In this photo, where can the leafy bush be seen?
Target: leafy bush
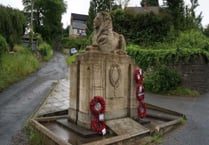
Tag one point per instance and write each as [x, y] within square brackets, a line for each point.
[161, 80]
[45, 50]
[12, 24]
[3, 45]
[192, 39]
[142, 29]
[146, 58]
[71, 59]
[78, 43]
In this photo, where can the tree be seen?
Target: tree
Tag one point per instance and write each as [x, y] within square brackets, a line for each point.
[12, 25]
[47, 17]
[28, 9]
[176, 10]
[122, 3]
[206, 31]
[149, 3]
[142, 29]
[95, 7]
[191, 19]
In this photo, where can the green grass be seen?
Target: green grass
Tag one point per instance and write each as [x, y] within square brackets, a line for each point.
[48, 56]
[46, 51]
[34, 136]
[71, 59]
[183, 120]
[15, 66]
[182, 91]
[155, 139]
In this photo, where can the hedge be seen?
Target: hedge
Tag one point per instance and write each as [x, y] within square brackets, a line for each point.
[146, 58]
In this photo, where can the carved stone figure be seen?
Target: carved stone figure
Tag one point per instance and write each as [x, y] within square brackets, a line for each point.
[104, 37]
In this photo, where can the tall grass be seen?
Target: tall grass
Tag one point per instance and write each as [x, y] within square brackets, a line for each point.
[17, 65]
[46, 51]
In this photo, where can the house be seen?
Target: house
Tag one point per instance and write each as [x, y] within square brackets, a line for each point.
[78, 25]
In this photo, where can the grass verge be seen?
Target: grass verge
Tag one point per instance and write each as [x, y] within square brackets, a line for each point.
[15, 66]
[182, 91]
[71, 59]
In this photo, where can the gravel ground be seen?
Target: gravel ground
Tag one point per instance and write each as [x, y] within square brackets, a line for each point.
[21, 138]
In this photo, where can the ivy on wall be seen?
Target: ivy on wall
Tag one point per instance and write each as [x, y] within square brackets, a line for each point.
[146, 58]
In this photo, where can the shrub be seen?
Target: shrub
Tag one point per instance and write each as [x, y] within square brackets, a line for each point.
[12, 24]
[161, 80]
[45, 50]
[192, 39]
[146, 58]
[3, 45]
[78, 43]
[71, 59]
[142, 29]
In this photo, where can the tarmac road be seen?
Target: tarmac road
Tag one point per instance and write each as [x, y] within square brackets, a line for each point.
[19, 101]
[196, 109]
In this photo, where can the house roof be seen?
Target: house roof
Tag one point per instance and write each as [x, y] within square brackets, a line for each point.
[80, 17]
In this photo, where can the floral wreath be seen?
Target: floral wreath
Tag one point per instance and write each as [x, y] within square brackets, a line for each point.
[97, 107]
[138, 75]
[142, 111]
[140, 92]
[98, 126]
[97, 101]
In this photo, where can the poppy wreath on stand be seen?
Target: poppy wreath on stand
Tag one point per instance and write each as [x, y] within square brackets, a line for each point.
[138, 76]
[140, 92]
[97, 107]
[142, 111]
[98, 126]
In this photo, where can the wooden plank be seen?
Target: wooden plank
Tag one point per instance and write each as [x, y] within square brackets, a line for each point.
[48, 133]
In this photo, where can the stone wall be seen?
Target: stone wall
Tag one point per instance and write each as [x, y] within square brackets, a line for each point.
[195, 74]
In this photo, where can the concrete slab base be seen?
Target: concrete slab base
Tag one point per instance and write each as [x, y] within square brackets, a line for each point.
[59, 131]
[126, 126]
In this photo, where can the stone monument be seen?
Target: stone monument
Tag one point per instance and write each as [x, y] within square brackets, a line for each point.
[103, 69]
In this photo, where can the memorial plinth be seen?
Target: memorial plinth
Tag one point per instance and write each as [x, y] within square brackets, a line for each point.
[96, 73]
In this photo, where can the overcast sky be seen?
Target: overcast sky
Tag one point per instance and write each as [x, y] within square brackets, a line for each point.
[82, 7]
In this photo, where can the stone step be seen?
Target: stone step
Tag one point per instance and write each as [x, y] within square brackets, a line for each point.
[126, 126]
[77, 129]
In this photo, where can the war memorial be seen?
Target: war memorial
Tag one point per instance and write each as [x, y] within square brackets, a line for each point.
[107, 99]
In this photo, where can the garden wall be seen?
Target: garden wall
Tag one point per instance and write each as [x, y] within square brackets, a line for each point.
[195, 74]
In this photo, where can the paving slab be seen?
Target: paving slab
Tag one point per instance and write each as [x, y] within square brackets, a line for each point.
[126, 126]
[57, 100]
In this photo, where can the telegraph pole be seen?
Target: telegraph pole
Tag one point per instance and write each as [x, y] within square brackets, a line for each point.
[31, 23]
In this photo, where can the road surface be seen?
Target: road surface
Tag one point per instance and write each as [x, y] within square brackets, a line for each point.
[196, 109]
